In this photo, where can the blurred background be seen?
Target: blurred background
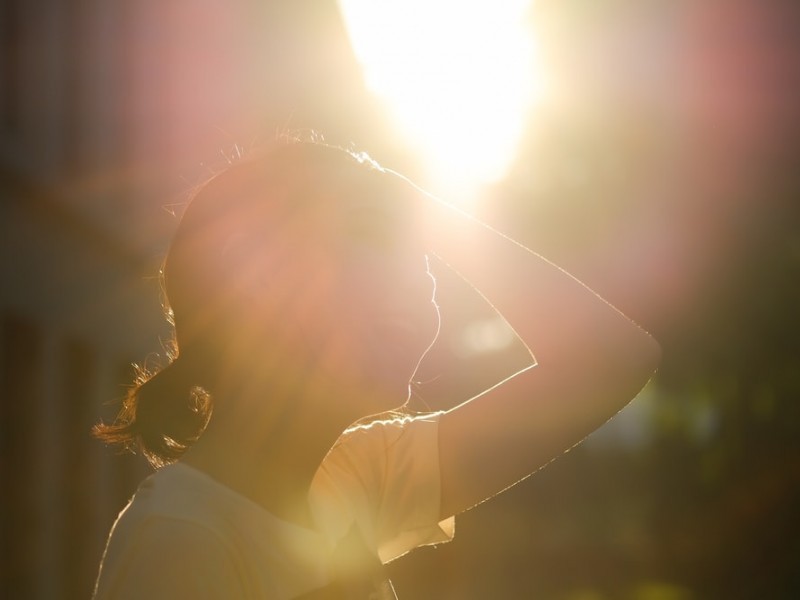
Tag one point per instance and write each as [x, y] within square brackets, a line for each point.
[648, 146]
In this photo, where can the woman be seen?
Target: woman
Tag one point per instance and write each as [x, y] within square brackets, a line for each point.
[302, 305]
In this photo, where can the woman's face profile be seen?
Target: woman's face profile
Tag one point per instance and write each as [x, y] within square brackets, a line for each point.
[368, 311]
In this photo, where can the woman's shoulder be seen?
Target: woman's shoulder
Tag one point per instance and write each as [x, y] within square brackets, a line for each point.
[188, 498]
[168, 557]
[173, 499]
[384, 475]
[161, 534]
[180, 512]
[392, 423]
[369, 448]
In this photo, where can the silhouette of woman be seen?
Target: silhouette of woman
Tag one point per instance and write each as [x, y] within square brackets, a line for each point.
[302, 305]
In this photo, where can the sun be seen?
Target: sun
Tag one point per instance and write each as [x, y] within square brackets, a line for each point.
[458, 78]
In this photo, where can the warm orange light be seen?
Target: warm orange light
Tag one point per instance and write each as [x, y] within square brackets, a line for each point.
[458, 78]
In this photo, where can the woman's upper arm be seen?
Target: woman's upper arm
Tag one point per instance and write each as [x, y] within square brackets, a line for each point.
[171, 558]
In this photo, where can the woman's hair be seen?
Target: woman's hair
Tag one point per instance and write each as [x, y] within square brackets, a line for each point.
[166, 409]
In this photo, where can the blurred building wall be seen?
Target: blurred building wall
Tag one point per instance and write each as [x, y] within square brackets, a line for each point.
[110, 112]
[71, 311]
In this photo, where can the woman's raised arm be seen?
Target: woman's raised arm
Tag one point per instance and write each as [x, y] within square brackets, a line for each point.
[590, 360]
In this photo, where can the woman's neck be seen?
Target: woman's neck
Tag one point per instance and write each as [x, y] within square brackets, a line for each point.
[268, 448]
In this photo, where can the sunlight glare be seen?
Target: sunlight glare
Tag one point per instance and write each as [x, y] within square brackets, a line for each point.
[457, 78]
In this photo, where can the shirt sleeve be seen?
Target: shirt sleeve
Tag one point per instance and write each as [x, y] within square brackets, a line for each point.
[385, 477]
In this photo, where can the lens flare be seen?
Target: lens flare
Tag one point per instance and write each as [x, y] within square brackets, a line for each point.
[457, 78]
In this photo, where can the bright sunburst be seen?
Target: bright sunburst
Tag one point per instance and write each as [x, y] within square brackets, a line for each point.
[458, 77]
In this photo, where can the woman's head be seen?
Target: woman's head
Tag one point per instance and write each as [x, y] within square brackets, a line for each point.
[307, 248]
[304, 260]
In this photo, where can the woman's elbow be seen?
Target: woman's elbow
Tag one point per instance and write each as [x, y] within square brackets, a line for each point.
[651, 355]
[642, 361]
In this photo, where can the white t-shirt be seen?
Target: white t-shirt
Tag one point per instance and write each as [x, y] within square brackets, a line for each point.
[383, 477]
